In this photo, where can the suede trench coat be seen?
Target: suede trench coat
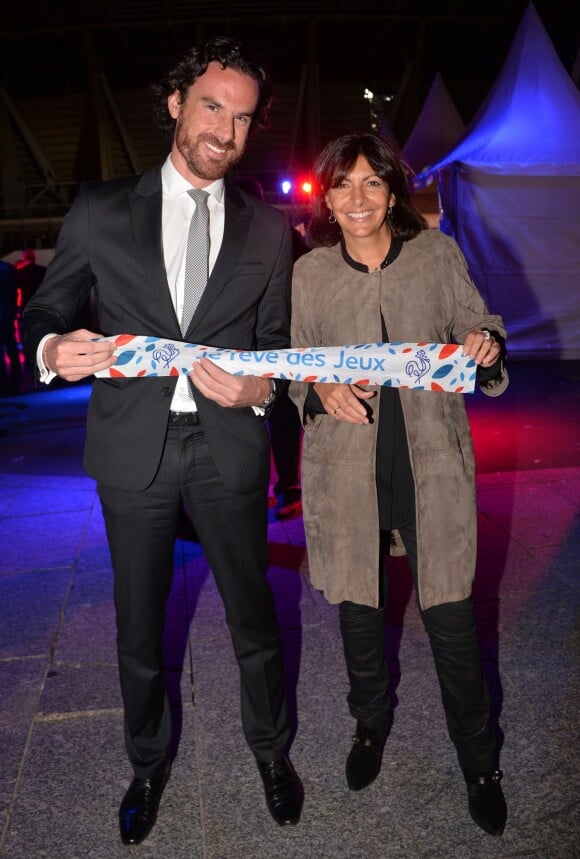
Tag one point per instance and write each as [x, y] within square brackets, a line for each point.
[425, 294]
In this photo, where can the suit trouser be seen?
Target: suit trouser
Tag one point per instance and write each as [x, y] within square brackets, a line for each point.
[232, 530]
[286, 438]
[455, 647]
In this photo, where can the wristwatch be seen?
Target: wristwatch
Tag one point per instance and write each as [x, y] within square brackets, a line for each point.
[270, 398]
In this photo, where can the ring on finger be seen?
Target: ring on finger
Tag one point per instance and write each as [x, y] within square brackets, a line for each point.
[486, 334]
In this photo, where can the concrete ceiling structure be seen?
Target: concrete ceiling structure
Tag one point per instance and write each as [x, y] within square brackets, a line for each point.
[42, 44]
[74, 76]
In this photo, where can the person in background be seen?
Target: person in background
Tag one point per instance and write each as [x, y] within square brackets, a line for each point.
[181, 253]
[284, 421]
[30, 275]
[9, 352]
[388, 465]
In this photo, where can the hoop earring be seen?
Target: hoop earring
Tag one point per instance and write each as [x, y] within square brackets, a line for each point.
[389, 211]
[331, 218]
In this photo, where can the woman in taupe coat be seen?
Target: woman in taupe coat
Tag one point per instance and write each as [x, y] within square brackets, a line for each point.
[394, 465]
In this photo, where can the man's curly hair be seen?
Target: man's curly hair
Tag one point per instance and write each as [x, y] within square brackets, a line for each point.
[193, 64]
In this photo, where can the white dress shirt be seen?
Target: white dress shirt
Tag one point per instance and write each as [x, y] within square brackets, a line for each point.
[178, 209]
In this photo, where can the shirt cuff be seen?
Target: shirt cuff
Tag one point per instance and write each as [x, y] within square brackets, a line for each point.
[44, 374]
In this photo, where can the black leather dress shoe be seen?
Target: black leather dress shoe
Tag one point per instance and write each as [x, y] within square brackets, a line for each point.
[284, 791]
[487, 804]
[138, 810]
[364, 761]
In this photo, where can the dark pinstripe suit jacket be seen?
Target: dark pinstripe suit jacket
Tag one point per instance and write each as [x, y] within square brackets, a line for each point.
[110, 244]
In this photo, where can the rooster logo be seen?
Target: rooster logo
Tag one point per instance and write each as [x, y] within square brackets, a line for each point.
[166, 354]
[417, 368]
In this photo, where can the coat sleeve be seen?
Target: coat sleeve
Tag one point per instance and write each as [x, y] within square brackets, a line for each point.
[304, 332]
[64, 292]
[469, 311]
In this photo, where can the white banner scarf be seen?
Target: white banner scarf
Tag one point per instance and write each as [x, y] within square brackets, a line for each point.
[418, 366]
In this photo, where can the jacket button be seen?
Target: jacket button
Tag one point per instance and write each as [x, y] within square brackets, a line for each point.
[165, 392]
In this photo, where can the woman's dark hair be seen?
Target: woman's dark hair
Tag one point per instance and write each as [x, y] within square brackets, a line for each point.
[334, 163]
[193, 64]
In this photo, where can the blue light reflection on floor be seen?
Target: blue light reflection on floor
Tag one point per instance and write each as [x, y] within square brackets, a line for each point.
[43, 432]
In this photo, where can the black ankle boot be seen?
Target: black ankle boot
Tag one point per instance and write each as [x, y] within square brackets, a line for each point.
[364, 761]
[487, 804]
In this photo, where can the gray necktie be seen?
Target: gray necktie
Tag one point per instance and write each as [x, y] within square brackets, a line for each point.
[196, 257]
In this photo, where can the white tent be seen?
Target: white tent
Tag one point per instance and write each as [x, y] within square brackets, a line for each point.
[437, 129]
[510, 191]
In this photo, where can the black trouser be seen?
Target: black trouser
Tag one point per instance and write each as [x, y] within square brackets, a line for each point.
[455, 647]
[232, 530]
[286, 436]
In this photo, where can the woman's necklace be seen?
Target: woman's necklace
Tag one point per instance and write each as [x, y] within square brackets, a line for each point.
[356, 262]
[377, 261]
[383, 261]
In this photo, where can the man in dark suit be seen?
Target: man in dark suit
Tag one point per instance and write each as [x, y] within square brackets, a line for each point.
[155, 443]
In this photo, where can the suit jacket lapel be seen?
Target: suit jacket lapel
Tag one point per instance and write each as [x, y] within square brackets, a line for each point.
[145, 204]
[238, 217]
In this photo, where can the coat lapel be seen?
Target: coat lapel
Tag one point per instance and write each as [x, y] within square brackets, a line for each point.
[145, 204]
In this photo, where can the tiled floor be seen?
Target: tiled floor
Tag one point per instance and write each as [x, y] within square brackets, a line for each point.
[62, 762]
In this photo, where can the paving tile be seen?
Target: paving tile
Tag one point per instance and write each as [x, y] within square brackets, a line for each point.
[294, 606]
[569, 487]
[550, 687]
[541, 784]
[425, 783]
[534, 514]
[563, 561]
[94, 550]
[291, 531]
[70, 784]
[31, 606]
[531, 476]
[205, 606]
[11, 481]
[7, 495]
[20, 685]
[568, 740]
[87, 633]
[74, 777]
[80, 688]
[41, 541]
[27, 501]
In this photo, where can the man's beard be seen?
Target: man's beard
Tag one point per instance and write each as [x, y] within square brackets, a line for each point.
[204, 167]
